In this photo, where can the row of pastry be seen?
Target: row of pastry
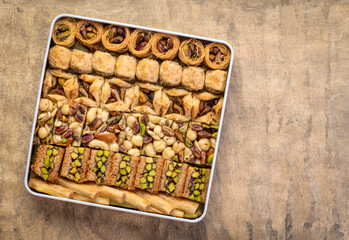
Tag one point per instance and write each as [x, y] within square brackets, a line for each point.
[141, 43]
[151, 174]
[128, 68]
[115, 94]
[70, 123]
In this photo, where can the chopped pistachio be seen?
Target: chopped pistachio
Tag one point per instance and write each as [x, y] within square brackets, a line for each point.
[148, 167]
[76, 150]
[99, 164]
[152, 173]
[128, 169]
[103, 169]
[74, 155]
[122, 164]
[143, 180]
[123, 172]
[81, 150]
[171, 187]
[168, 173]
[44, 170]
[100, 153]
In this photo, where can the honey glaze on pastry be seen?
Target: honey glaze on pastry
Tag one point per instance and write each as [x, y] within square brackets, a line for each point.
[215, 80]
[116, 38]
[88, 32]
[126, 67]
[139, 44]
[193, 78]
[64, 32]
[59, 57]
[170, 73]
[147, 99]
[217, 56]
[81, 61]
[191, 52]
[165, 46]
[207, 107]
[148, 70]
[177, 104]
[103, 63]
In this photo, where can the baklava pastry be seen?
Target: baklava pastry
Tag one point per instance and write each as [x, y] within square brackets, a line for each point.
[196, 184]
[64, 32]
[165, 46]
[170, 73]
[75, 163]
[126, 67]
[60, 85]
[59, 57]
[177, 104]
[147, 99]
[98, 165]
[139, 44]
[149, 173]
[215, 81]
[173, 178]
[217, 56]
[89, 33]
[81, 61]
[148, 70]
[48, 162]
[47, 112]
[90, 90]
[103, 63]
[207, 107]
[193, 78]
[116, 38]
[116, 95]
[191, 52]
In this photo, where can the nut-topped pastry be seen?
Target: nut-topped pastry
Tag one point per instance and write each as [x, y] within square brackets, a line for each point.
[149, 174]
[75, 165]
[59, 57]
[89, 89]
[98, 165]
[64, 32]
[147, 99]
[173, 178]
[139, 44]
[191, 52]
[217, 56]
[207, 107]
[196, 184]
[48, 162]
[116, 38]
[165, 46]
[88, 32]
[177, 104]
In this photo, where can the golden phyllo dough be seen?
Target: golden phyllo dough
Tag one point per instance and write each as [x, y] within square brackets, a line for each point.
[191, 52]
[64, 32]
[88, 32]
[193, 78]
[116, 38]
[165, 46]
[126, 67]
[139, 44]
[81, 61]
[170, 73]
[59, 57]
[215, 80]
[148, 70]
[103, 63]
[217, 56]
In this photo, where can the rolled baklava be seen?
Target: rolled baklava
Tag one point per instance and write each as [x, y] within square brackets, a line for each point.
[116, 38]
[193, 78]
[81, 61]
[148, 70]
[217, 56]
[191, 52]
[170, 73]
[165, 46]
[88, 32]
[59, 57]
[215, 80]
[139, 44]
[103, 63]
[64, 32]
[126, 67]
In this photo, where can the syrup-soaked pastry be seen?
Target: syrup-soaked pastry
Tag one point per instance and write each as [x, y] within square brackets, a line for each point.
[126, 67]
[147, 99]
[170, 73]
[47, 113]
[177, 104]
[148, 70]
[64, 32]
[207, 107]
[139, 44]
[165, 46]
[75, 163]
[90, 87]
[217, 56]
[116, 95]
[47, 162]
[196, 184]
[149, 173]
[123, 171]
[191, 52]
[103, 63]
[116, 38]
[98, 165]
[88, 32]
[81, 61]
[59, 57]
[199, 144]
[193, 78]
[215, 81]
[173, 178]
[70, 118]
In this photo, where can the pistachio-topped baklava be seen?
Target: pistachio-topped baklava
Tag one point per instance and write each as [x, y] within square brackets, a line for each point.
[98, 165]
[75, 164]
[196, 184]
[173, 178]
[149, 174]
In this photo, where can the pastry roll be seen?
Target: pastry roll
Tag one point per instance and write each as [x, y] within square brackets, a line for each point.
[70, 118]
[191, 52]
[64, 32]
[116, 95]
[126, 67]
[89, 33]
[103, 63]
[47, 162]
[147, 99]
[207, 107]
[139, 44]
[116, 38]
[59, 57]
[217, 56]
[149, 174]
[47, 112]
[193, 78]
[173, 178]
[81, 61]
[215, 80]
[196, 184]
[148, 70]
[170, 73]
[177, 104]
[75, 163]
[98, 165]
[165, 46]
